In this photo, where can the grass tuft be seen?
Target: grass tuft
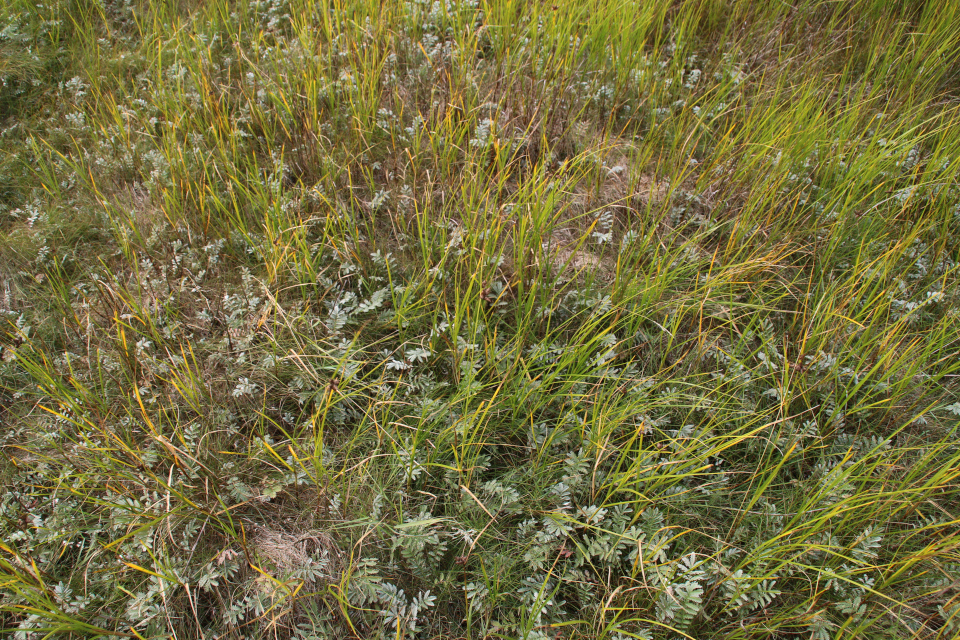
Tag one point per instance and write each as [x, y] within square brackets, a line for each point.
[479, 319]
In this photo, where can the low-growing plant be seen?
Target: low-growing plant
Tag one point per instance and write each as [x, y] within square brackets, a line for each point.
[479, 318]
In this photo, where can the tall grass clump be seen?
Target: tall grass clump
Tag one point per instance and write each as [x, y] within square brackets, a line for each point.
[480, 319]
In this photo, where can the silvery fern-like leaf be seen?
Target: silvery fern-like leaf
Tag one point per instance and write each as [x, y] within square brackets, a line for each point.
[820, 627]
[852, 607]
[679, 604]
[556, 526]
[950, 613]
[337, 319]
[592, 515]
[396, 365]
[476, 593]
[652, 520]
[375, 302]
[364, 583]
[763, 594]
[865, 548]
[417, 355]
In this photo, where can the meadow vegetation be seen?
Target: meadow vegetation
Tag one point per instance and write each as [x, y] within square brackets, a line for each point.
[599, 319]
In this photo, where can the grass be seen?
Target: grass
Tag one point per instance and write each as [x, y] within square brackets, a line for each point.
[490, 319]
